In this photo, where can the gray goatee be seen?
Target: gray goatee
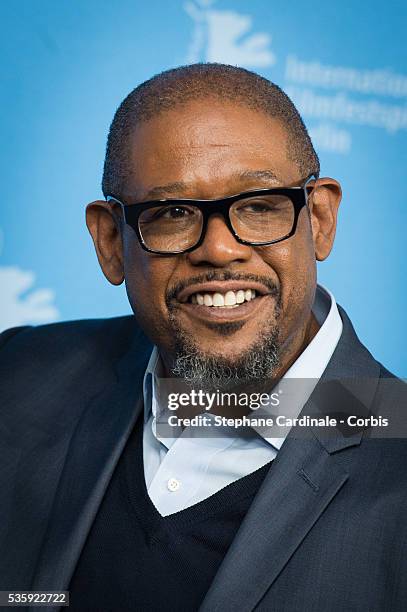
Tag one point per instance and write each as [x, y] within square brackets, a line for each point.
[258, 363]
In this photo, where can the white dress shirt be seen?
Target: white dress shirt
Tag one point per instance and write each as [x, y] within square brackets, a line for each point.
[185, 470]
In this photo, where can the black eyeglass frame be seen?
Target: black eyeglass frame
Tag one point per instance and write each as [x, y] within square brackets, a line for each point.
[131, 212]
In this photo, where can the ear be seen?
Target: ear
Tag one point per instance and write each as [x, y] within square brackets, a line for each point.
[323, 204]
[104, 227]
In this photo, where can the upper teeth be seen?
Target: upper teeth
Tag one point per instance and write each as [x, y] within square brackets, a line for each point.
[228, 299]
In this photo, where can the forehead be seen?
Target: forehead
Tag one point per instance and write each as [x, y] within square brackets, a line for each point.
[208, 149]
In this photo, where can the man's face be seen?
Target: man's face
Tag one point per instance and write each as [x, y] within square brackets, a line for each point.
[205, 150]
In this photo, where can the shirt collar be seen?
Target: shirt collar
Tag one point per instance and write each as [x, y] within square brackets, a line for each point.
[154, 370]
[314, 359]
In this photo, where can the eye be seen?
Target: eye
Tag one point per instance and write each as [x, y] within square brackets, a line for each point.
[176, 212]
[256, 207]
[171, 212]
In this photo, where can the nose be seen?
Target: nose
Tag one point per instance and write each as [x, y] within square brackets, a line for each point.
[219, 248]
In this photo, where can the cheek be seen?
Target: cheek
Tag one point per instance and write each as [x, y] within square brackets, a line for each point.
[147, 277]
[293, 261]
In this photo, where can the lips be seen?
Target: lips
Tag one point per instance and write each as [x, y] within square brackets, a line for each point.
[237, 312]
[224, 300]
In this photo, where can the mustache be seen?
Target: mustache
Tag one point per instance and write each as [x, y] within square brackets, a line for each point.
[215, 275]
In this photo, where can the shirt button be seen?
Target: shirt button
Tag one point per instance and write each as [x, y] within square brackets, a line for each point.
[173, 484]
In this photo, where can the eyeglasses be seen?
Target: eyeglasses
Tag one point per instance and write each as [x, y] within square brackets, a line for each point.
[258, 218]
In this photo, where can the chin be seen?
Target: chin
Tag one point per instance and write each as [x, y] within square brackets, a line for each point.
[227, 361]
[226, 347]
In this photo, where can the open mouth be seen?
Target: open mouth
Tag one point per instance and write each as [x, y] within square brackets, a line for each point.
[224, 301]
[230, 299]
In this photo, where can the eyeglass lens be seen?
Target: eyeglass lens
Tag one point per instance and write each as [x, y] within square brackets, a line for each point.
[177, 227]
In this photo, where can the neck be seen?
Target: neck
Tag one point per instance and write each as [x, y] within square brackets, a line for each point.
[293, 347]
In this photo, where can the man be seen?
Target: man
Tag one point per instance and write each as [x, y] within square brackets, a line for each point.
[214, 216]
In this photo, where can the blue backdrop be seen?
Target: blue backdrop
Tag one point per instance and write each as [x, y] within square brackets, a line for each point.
[68, 64]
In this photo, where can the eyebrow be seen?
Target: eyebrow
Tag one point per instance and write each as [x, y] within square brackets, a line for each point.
[179, 187]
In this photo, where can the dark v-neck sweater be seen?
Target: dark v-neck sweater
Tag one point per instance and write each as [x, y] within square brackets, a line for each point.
[135, 559]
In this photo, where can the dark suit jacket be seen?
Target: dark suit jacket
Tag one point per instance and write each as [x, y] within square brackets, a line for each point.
[327, 531]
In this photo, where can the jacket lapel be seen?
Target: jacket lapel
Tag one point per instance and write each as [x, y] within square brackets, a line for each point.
[302, 481]
[94, 451]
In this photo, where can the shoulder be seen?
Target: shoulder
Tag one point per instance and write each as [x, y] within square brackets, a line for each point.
[58, 341]
[59, 367]
[391, 399]
[352, 359]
